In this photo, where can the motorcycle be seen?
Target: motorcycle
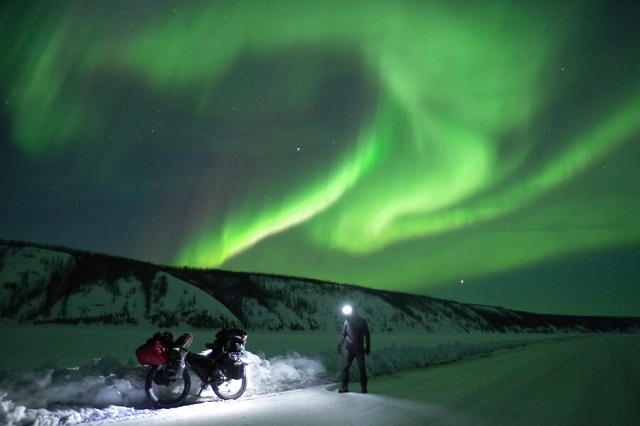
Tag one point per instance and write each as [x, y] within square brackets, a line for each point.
[223, 369]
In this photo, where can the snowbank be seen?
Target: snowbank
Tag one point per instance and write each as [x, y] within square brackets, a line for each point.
[108, 388]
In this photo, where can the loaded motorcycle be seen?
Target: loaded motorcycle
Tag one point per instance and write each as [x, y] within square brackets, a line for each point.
[169, 381]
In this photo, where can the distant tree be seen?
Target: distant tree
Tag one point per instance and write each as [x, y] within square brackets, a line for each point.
[64, 307]
[163, 318]
[313, 324]
[296, 327]
[160, 288]
[204, 320]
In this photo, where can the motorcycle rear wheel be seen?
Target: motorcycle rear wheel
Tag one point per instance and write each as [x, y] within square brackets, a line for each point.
[230, 388]
[166, 393]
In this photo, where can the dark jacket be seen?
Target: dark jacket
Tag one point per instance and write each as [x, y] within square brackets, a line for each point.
[355, 331]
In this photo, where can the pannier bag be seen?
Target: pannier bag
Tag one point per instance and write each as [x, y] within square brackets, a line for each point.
[233, 365]
[176, 363]
[227, 350]
[229, 339]
[153, 352]
[163, 348]
[234, 344]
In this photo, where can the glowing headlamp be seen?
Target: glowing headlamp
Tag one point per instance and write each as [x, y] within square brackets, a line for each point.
[347, 309]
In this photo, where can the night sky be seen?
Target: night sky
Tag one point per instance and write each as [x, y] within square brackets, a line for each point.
[484, 152]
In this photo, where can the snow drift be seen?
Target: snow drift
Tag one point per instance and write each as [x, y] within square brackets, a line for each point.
[108, 388]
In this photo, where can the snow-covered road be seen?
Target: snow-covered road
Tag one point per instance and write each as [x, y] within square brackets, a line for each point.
[593, 380]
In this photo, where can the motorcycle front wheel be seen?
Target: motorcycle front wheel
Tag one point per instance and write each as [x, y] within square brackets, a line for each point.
[166, 393]
[230, 388]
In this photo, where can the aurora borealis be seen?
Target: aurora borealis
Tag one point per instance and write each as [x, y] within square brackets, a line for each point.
[481, 151]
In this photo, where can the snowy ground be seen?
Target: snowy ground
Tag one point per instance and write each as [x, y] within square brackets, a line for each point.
[592, 380]
[90, 375]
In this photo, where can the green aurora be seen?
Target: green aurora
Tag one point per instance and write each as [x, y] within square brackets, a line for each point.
[405, 145]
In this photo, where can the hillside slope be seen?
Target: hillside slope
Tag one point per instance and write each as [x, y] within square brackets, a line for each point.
[58, 285]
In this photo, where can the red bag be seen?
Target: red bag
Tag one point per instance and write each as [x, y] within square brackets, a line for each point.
[153, 352]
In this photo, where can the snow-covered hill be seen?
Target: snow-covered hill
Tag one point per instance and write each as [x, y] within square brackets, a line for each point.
[46, 285]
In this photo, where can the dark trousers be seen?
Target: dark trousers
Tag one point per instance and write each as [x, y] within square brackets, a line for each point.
[347, 360]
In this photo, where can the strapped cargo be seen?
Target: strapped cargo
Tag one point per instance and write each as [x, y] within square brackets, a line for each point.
[152, 352]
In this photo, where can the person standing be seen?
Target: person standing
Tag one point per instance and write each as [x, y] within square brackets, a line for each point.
[355, 331]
